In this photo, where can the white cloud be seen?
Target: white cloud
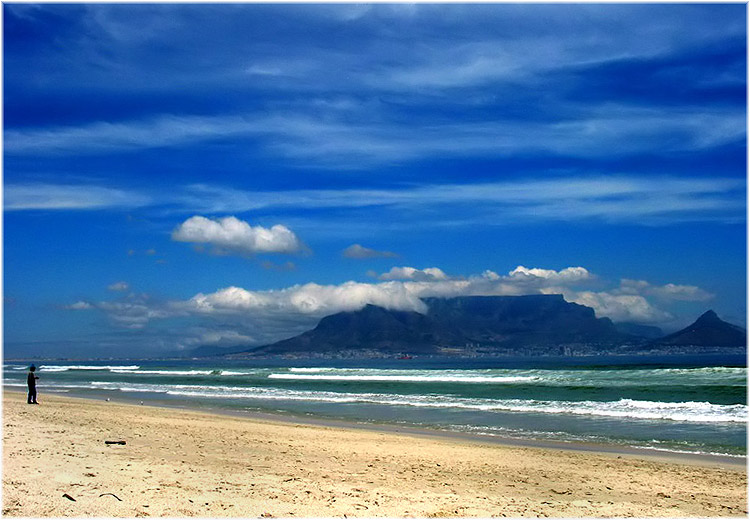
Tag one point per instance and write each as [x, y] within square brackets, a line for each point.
[567, 275]
[103, 137]
[610, 198]
[79, 305]
[410, 273]
[36, 196]
[359, 252]
[230, 234]
[359, 140]
[119, 286]
[134, 313]
[670, 291]
[490, 275]
[620, 307]
[402, 289]
[688, 293]
[308, 299]
[271, 315]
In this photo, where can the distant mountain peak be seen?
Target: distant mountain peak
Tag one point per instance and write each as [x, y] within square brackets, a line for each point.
[708, 317]
[708, 330]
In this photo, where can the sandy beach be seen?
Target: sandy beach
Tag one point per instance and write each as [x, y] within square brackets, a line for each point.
[187, 463]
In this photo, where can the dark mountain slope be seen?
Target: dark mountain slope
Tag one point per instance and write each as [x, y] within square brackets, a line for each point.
[372, 328]
[521, 320]
[708, 331]
[639, 330]
[469, 325]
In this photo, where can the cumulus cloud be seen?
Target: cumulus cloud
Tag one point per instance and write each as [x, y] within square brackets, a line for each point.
[359, 252]
[670, 291]
[567, 275]
[265, 316]
[689, 293]
[410, 273]
[119, 286]
[79, 306]
[231, 235]
[309, 299]
[133, 314]
[402, 288]
[133, 311]
[621, 307]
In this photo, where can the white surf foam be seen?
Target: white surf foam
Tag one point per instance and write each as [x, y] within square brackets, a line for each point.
[65, 368]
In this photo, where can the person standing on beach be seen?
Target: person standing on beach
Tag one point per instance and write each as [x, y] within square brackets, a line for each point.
[31, 380]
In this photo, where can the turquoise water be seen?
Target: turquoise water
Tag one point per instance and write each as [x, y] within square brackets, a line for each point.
[683, 404]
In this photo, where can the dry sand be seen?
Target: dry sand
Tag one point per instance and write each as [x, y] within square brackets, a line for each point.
[184, 463]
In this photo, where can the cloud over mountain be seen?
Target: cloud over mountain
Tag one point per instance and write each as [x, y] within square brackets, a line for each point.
[307, 299]
[620, 307]
[440, 139]
[269, 315]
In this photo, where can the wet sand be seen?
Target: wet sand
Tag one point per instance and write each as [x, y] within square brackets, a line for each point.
[187, 463]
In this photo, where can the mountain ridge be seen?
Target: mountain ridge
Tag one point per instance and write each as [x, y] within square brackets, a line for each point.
[708, 328]
[471, 325]
[490, 326]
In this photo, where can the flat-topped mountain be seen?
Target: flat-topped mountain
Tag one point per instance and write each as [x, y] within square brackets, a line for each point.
[708, 330]
[495, 325]
[472, 325]
[639, 330]
[520, 320]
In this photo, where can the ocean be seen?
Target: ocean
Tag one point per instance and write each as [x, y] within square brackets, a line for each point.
[684, 404]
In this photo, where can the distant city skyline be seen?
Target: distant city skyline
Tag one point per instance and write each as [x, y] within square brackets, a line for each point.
[178, 175]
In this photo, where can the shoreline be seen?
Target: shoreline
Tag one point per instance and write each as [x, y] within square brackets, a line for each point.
[702, 459]
[179, 462]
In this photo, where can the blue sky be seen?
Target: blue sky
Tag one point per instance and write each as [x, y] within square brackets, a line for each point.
[184, 175]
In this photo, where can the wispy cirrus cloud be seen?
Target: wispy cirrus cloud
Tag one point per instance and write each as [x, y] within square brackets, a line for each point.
[104, 137]
[638, 200]
[631, 199]
[490, 42]
[46, 196]
[358, 141]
